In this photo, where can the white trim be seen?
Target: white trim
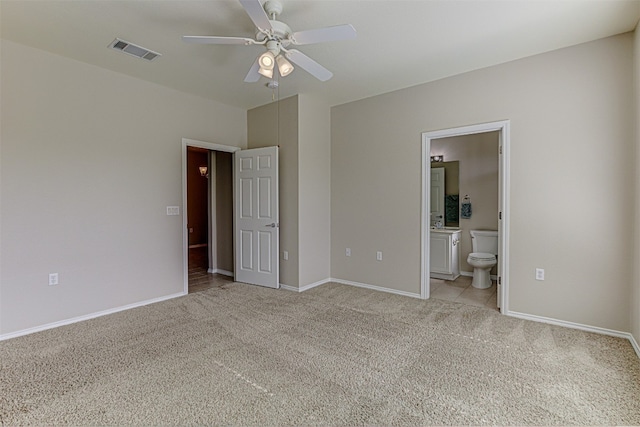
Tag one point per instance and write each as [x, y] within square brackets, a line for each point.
[503, 127]
[220, 271]
[87, 317]
[376, 288]
[209, 145]
[580, 326]
[186, 142]
[305, 287]
[634, 344]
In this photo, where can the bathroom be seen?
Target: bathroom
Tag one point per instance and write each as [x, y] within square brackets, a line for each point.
[471, 168]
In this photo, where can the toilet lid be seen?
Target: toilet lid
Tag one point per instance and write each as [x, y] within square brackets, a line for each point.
[481, 256]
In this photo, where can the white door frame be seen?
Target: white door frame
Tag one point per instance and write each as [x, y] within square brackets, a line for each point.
[503, 127]
[185, 232]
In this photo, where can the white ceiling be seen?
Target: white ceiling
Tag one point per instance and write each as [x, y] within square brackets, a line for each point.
[399, 43]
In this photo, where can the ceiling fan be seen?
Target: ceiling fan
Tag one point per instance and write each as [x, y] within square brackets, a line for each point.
[276, 37]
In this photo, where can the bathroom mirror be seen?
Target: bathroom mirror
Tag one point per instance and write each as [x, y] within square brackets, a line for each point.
[451, 192]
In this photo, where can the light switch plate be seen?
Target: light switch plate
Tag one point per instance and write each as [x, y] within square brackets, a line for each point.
[173, 210]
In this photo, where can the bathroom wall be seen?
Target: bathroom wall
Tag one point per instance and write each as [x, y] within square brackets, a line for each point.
[478, 177]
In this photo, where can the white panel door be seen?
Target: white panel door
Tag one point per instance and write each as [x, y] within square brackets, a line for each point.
[437, 195]
[256, 227]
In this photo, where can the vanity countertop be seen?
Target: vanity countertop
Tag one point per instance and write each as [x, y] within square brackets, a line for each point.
[447, 230]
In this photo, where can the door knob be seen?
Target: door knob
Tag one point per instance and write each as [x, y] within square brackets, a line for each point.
[272, 225]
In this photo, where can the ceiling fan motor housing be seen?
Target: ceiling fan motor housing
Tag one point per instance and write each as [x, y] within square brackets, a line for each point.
[273, 7]
[280, 33]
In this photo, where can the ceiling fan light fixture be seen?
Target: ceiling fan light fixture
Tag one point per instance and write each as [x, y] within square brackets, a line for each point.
[266, 60]
[266, 72]
[284, 67]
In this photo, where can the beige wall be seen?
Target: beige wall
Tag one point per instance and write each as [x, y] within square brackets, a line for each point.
[572, 168]
[90, 159]
[277, 124]
[635, 299]
[314, 156]
[478, 177]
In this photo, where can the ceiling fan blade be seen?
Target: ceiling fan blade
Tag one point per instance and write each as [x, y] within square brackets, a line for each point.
[217, 40]
[253, 75]
[328, 34]
[257, 14]
[309, 65]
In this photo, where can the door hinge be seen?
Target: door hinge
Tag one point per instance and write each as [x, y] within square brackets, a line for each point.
[501, 149]
[499, 215]
[499, 280]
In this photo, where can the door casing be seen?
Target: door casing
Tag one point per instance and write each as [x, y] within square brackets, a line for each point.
[503, 129]
[185, 232]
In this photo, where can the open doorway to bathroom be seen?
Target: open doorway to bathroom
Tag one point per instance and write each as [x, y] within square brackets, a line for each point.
[472, 163]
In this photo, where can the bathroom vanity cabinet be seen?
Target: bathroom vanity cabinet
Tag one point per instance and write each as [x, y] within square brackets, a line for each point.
[444, 254]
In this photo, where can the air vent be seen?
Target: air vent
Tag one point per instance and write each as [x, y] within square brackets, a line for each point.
[134, 50]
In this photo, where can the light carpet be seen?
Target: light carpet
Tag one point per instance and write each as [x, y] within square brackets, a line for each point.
[334, 355]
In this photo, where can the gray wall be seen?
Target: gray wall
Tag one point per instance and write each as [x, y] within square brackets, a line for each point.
[304, 140]
[635, 299]
[314, 157]
[572, 177]
[224, 211]
[90, 159]
[276, 123]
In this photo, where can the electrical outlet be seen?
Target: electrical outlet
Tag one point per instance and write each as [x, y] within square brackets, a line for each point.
[53, 279]
[347, 252]
[539, 273]
[285, 255]
[379, 255]
[173, 210]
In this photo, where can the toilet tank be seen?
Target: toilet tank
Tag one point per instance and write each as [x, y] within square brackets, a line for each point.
[485, 241]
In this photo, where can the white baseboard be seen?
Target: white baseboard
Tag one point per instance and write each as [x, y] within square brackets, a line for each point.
[86, 317]
[376, 288]
[220, 271]
[634, 344]
[580, 326]
[305, 287]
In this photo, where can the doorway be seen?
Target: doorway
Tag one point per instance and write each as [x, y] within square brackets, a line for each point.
[207, 214]
[502, 128]
[197, 213]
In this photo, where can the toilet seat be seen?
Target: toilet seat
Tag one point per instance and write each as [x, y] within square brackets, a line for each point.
[481, 256]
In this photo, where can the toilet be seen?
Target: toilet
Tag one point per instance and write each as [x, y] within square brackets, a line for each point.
[483, 258]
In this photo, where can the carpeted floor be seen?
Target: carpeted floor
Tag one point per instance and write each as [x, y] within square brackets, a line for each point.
[334, 355]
